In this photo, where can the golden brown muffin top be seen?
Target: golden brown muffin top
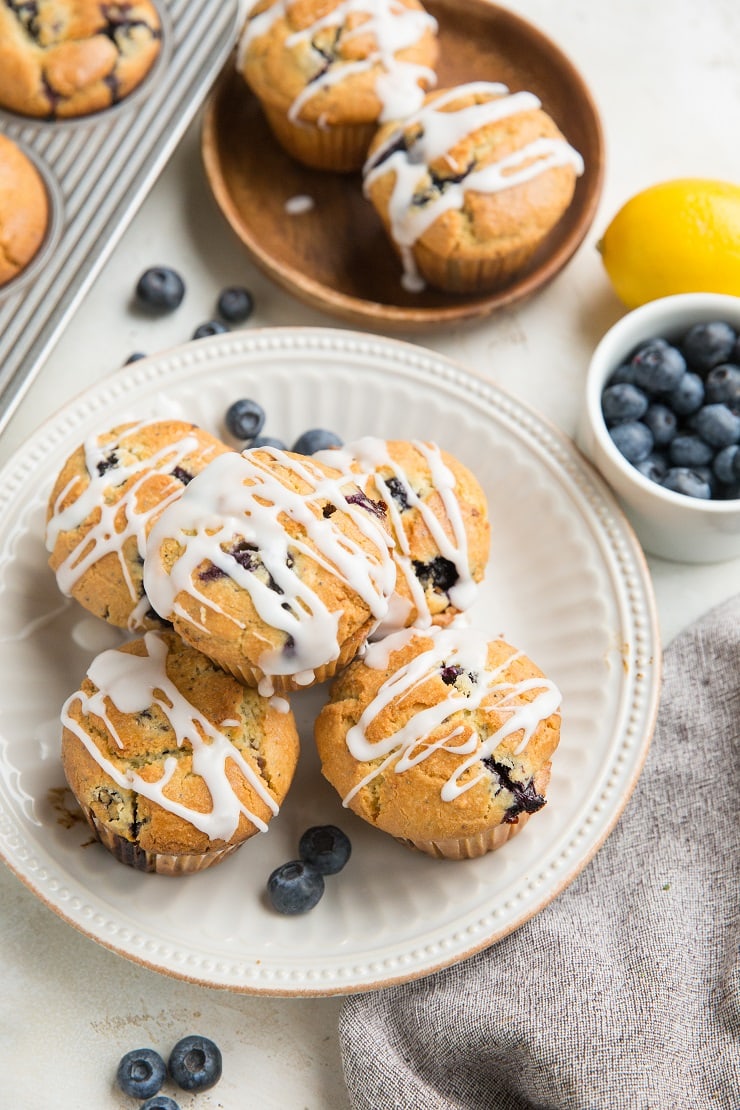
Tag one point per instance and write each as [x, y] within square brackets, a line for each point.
[24, 210]
[173, 754]
[439, 734]
[65, 58]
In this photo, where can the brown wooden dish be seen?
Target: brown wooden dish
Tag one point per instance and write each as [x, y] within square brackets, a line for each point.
[335, 256]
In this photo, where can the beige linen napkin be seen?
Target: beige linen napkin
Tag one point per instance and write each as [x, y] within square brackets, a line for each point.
[625, 991]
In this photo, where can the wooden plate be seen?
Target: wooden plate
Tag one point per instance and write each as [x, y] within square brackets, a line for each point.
[336, 256]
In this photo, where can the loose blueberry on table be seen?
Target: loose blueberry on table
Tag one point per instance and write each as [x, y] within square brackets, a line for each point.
[326, 848]
[673, 411]
[160, 288]
[160, 1102]
[195, 1063]
[235, 304]
[245, 419]
[295, 887]
[141, 1073]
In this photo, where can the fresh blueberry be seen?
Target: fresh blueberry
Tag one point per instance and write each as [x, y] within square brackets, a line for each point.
[662, 422]
[141, 1073]
[268, 441]
[682, 480]
[134, 357]
[195, 1063]
[718, 425]
[654, 467]
[633, 439]
[724, 464]
[315, 439]
[160, 1102]
[723, 386]
[707, 344]
[688, 449]
[624, 374]
[245, 419]
[325, 847]
[688, 396]
[295, 887]
[659, 367]
[211, 327]
[622, 402]
[161, 288]
[235, 304]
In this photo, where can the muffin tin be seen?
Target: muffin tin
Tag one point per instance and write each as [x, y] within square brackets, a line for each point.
[97, 170]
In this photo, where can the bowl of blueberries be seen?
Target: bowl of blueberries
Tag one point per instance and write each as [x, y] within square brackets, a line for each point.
[661, 422]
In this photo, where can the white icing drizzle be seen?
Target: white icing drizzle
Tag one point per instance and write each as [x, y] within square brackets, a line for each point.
[133, 683]
[409, 745]
[439, 133]
[297, 205]
[372, 455]
[394, 28]
[241, 497]
[119, 519]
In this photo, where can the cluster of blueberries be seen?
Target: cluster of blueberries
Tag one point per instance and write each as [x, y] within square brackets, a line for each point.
[245, 420]
[194, 1064]
[673, 411]
[296, 887]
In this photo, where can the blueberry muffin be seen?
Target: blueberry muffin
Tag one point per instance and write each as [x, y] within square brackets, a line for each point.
[174, 763]
[24, 210]
[65, 58]
[326, 73]
[441, 739]
[438, 518]
[103, 503]
[469, 187]
[273, 564]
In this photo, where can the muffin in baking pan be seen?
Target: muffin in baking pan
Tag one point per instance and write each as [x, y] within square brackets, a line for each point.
[60, 59]
[24, 210]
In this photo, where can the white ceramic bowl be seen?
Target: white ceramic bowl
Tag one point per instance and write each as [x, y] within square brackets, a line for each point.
[671, 525]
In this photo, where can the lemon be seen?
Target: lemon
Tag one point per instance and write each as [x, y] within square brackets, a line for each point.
[680, 236]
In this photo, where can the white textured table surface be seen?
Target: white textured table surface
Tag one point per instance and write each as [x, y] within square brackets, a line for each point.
[665, 78]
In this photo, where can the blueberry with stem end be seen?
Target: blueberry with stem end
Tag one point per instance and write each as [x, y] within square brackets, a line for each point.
[325, 847]
[160, 288]
[195, 1063]
[141, 1073]
[723, 385]
[244, 419]
[295, 887]
[235, 304]
[687, 397]
[658, 367]
[160, 1102]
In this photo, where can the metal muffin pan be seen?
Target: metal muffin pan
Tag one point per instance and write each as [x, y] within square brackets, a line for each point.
[97, 170]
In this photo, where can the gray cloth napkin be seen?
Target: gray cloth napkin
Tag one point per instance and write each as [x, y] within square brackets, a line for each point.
[625, 991]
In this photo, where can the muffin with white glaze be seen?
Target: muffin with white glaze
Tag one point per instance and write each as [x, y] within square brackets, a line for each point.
[470, 186]
[326, 72]
[274, 565]
[441, 739]
[104, 501]
[174, 763]
[438, 518]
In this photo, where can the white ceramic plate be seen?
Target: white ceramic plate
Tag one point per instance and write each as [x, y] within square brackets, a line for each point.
[566, 582]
